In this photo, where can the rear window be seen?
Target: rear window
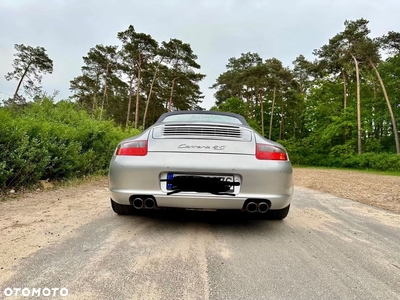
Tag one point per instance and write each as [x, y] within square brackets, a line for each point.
[202, 118]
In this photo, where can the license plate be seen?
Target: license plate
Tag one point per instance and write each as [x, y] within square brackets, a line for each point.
[171, 176]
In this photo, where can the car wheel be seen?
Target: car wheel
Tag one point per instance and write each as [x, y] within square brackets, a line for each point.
[278, 214]
[122, 209]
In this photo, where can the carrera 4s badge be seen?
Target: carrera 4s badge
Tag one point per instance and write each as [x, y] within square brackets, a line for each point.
[216, 147]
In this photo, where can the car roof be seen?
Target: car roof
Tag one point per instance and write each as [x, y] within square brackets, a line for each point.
[203, 112]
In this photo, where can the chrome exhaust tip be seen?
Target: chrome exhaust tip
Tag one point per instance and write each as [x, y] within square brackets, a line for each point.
[251, 207]
[137, 203]
[149, 203]
[263, 207]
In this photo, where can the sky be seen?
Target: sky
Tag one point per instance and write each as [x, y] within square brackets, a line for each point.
[216, 30]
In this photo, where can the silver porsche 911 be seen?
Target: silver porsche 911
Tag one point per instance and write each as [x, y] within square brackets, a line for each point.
[201, 160]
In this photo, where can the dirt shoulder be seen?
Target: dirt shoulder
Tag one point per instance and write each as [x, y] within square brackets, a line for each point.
[37, 219]
[381, 191]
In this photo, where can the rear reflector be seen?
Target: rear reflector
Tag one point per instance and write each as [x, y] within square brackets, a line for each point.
[268, 152]
[134, 148]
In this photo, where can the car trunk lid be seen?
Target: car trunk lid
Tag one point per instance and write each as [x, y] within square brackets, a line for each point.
[202, 138]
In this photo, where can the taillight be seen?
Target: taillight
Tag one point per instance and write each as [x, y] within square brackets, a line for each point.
[134, 148]
[268, 152]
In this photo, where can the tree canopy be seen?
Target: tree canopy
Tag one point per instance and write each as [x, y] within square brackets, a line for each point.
[138, 80]
[344, 102]
[28, 67]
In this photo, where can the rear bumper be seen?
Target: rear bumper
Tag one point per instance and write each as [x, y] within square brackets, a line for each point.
[267, 180]
[201, 201]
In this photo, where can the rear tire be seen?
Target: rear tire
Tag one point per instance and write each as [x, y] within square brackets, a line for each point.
[278, 214]
[122, 209]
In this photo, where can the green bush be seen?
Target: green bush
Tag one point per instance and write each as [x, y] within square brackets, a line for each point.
[302, 152]
[54, 141]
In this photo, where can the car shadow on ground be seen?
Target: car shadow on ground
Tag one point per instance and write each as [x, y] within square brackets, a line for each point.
[213, 219]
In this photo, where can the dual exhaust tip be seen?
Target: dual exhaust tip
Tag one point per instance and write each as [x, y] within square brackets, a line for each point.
[147, 203]
[261, 207]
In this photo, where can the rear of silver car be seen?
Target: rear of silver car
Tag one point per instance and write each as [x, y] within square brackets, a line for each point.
[146, 171]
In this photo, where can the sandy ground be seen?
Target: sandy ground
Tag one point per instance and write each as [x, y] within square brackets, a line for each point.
[377, 190]
[35, 220]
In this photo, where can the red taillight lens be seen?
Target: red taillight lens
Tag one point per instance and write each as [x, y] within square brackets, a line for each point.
[268, 152]
[135, 148]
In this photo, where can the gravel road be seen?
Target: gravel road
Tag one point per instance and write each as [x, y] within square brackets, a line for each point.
[327, 248]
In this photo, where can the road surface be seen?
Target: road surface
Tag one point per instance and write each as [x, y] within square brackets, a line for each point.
[327, 248]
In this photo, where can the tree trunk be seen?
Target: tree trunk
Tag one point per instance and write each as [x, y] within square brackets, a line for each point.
[359, 145]
[104, 93]
[129, 102]
[281, 123]
[20, 82]
[262, 112]
[272, 113]
[172, 92]
[396, 134]
[344, 89]
[138, 93]
[94, 104]
[148, 97]
[374, 126]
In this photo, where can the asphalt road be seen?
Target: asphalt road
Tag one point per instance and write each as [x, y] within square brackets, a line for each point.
[327, 248]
